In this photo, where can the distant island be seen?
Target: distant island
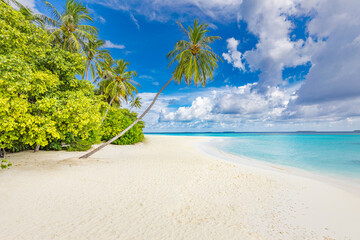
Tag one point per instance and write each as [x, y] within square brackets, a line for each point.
[306, 131]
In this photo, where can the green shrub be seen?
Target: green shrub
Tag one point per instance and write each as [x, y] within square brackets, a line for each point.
[78, 144]
[5, 163]
[55, 145]
[116, 121]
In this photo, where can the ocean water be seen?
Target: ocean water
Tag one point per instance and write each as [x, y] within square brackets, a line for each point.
[335, 154]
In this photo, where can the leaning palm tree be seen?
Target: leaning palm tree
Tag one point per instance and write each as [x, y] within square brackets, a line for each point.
[68, 28]
[135, 103]
[195, 60]
[94, 52]
[120, 84]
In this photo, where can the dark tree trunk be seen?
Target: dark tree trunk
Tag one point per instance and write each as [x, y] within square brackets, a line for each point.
[129, 127]
[37, 148]
[2, 153]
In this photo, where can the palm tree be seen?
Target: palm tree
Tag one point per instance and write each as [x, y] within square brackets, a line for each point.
[120, 84]
[68, 28]
[103, 70]
[196, 62]
[94, 52]
[136, 102]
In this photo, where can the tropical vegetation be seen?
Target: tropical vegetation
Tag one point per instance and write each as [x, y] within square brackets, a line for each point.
[46, 99]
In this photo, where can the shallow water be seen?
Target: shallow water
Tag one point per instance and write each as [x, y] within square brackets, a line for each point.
[335, 154]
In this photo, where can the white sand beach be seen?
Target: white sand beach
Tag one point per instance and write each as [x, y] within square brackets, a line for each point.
[166, 188]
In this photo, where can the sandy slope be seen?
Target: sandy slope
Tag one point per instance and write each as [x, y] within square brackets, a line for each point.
[166, 188]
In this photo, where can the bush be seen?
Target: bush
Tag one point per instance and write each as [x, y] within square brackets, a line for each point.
[116, 121]
[42, 102]
[78, 144]
[4, 163]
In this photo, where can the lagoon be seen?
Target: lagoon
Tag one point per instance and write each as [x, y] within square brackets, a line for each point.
[329, 153]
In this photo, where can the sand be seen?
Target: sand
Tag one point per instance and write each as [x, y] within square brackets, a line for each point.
[166, 188]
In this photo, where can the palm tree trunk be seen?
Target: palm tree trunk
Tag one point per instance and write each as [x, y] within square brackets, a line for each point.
[87, 70]
[37, 148]
[129, 127]
[107, 109]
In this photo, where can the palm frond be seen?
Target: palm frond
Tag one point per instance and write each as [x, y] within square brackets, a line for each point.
[195, 59]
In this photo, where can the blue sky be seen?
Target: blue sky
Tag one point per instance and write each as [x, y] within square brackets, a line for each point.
[288, 64]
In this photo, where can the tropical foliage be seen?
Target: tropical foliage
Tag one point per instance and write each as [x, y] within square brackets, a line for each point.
[118, 82]
[117, 120]
[43, 101]
[68, 28]
[94, 52]
[195, 59]
[4, 163]
[135, 103]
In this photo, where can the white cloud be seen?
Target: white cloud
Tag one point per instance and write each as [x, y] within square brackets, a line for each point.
[269, 21]
[233, 56]
[96, 16]
[135, 20]
[146, 77]
[162, 10]
[100, 19]
[199, 109]
[109, 44]
[245, 109]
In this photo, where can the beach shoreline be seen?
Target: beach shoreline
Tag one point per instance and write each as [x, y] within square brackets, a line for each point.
[166, 188]
[349, 184]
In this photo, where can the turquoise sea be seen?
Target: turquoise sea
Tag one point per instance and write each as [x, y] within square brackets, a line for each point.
[336, 154]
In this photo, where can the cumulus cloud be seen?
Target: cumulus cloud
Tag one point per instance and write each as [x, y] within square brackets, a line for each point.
[234, 102]
[109, 44]
[245, 109]
[270, 22]
[199, 109]
[332, 47]
[335, 74]
[331, 111]
[233, 56]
